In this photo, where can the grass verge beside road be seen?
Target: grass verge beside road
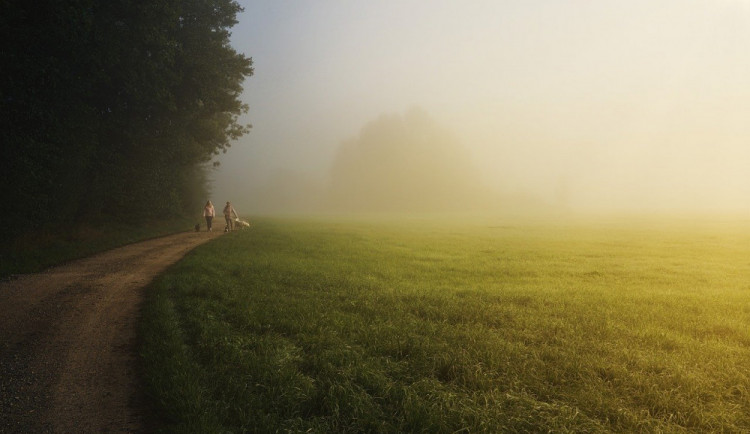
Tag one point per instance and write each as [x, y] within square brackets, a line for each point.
[423, 326]
[34, 251]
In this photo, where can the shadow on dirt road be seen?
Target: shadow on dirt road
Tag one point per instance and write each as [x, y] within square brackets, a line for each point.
[68, 340]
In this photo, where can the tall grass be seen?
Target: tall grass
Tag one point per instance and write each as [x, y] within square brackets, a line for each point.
[422, 326]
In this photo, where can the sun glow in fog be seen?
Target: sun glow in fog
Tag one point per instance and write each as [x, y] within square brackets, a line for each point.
[584, 105]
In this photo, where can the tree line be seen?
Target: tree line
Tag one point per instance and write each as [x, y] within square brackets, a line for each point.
[113, 109]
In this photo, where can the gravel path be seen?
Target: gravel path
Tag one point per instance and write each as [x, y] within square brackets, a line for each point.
[68, 340]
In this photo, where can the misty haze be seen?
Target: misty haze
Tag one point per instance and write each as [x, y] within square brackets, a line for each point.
[579, 106]
[398, 163]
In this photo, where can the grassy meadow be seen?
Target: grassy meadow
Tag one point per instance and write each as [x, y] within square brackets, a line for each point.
[315, 325]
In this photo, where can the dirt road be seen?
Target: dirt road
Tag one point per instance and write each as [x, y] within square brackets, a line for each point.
[68, 340]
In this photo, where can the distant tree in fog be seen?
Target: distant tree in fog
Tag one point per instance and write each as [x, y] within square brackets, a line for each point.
[404, 163]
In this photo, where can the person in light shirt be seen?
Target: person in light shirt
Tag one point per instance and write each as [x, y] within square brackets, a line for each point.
[209, 213]
[228, 211]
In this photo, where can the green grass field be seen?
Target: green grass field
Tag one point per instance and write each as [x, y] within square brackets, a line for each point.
[436, 326]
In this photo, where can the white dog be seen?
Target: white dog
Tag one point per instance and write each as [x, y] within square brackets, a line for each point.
[241, 224]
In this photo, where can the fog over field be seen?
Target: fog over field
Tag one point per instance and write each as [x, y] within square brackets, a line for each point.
[491, 105]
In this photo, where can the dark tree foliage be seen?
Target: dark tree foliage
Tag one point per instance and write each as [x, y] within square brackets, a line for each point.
[112, 108]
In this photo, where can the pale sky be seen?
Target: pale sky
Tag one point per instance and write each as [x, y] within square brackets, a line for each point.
[595, 104]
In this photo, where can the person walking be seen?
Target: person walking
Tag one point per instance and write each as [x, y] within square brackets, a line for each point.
[209, 213]
[228, 211]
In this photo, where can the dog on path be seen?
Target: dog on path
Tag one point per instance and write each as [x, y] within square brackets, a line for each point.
[241, 224]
